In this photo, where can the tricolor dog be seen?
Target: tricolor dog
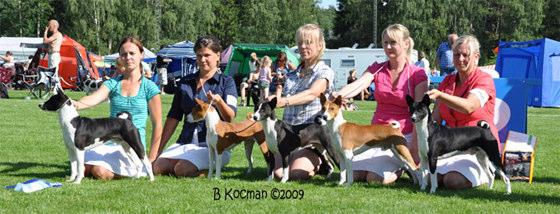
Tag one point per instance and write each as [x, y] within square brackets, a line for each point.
[283, 140]
[351, 139]
[437, 141]
[222, 136]
[81, 133]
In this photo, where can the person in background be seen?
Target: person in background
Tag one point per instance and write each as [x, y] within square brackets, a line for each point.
[394, 79]
[53, 42]
[351, 78]
[146, 70]
[424, 63]
[444, 56]
[161, 64]
[280, 68]
[247, 84]
[8, 59]
[188, 157]
[265, 76]
[463, 99]
[129, 91]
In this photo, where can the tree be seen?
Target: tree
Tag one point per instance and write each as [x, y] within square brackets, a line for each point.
[551, 21]
[24, 17]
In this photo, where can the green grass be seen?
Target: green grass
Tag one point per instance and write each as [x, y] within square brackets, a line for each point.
[31, 146]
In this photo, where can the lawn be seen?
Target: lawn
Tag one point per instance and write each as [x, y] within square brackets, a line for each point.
[31, 146]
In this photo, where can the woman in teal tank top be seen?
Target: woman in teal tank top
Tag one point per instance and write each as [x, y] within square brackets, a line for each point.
[131, 92]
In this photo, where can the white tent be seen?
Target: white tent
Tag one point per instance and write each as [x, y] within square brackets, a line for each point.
[13, 44]
[148, 56]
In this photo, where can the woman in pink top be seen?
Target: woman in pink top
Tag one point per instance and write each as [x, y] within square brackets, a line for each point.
[463, 99]
[393, 79]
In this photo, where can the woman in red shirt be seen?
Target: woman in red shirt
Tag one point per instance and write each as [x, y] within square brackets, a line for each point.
[463, 99]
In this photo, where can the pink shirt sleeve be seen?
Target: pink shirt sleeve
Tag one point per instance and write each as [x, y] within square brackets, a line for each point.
[418, 76]
[375, 67]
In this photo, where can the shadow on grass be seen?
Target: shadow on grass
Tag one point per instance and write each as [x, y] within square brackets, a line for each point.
[546, 180]
[406, 183]
[498, 194]
[25, 169]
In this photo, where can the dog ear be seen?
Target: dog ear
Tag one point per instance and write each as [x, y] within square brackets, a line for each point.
[426, 99]
[409, 100]
[198, 101]
[338, 100]
[273, 103]
[322, 98]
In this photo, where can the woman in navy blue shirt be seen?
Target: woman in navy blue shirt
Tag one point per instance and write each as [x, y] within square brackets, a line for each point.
[189, 155]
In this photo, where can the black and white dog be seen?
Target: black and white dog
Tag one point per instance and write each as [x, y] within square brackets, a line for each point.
[81, 133]
[92, 85]
[283, 140]
[437, 141]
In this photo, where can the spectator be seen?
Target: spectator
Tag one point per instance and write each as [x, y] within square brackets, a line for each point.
[463, 99]
[424, 63]
[146, 70]
[53, 42]
[351, 78]
[247, 85]
[265, 76]
[161, 64]
[280, 68]
[444, 56]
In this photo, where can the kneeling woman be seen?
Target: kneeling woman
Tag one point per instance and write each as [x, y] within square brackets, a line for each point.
[129, 91]
[189, 156]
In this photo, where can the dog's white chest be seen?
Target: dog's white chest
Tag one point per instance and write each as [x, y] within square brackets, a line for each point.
[271, 135]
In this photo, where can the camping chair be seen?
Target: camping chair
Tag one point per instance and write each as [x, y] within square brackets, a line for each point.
[39, 84]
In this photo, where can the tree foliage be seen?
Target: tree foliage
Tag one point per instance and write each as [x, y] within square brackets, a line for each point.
[429, 21]
[100, 24]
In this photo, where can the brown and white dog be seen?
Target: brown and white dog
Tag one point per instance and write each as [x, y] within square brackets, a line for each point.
[350, 139]
[222, 136]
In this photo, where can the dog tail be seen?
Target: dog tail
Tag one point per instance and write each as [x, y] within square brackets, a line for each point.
[124, 115]
[395, 124]
[483, 124]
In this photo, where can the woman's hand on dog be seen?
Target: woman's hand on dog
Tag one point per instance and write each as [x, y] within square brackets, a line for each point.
[216, 98]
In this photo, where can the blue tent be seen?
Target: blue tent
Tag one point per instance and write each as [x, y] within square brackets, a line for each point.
[537, 62]
[182, 56]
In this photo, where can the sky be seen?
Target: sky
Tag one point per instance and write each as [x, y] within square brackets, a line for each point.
[327, 3]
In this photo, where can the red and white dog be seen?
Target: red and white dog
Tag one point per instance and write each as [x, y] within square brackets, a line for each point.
[222, 136]
[351, 139]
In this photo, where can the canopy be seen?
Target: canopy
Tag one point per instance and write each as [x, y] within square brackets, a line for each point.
[183, 58]
[536, 62]
[238, 62]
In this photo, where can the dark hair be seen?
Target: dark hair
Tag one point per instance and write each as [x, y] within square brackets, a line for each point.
[282, 55]
[209, 42]
[133, 40]
[9, 53]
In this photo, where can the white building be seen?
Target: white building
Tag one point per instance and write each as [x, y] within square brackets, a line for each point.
[342, 60]
[13, 44]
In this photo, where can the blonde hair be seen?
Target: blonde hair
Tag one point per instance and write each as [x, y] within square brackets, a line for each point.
[266, 62]
[474, 45]
[400, 33]
[311, 33]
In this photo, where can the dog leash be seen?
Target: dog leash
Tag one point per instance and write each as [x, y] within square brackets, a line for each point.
[246, 127]
[204, 91]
